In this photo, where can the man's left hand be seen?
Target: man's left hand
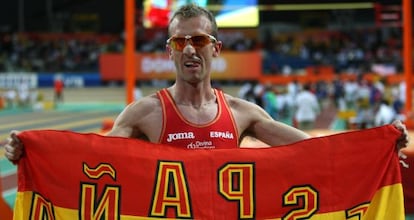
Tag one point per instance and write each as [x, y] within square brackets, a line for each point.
[403, 140]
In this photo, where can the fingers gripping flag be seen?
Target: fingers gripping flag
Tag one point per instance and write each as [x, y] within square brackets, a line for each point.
[67, 175]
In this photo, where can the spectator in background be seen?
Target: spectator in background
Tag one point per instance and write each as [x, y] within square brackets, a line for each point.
[350, 91]
[364, 111]
[11, 97]
[293, 89]
[137, 93]
[401, 92]
[284, 106]
[269, 101]
[58, 86]
[397, 102]
[246, 92]
[385, 114]
[258, 91]
[338, 94]
[307, 108]
[23, 94]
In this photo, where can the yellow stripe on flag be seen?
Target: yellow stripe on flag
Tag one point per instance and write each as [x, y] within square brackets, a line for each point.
[387, 204]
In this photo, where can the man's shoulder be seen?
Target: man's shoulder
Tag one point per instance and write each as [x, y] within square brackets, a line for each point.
[151, 99]
[146, 103]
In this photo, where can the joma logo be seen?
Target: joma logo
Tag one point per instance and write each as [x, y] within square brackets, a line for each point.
[180, 136]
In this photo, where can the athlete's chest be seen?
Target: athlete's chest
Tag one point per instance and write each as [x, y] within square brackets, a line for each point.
[210, 137]
[198, 115]
[202, 128]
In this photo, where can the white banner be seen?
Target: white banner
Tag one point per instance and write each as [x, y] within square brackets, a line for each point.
[15, 80]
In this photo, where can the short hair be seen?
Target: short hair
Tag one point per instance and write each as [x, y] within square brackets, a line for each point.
[191, 11]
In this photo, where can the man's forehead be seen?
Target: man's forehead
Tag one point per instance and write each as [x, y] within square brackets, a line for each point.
[187, 26]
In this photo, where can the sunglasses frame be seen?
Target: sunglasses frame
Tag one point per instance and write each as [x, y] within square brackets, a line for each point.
[188, 39]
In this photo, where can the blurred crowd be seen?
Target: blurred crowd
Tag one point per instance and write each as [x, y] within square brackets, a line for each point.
[355, 51]
[286, 53]
[359, 103]
[53, 53]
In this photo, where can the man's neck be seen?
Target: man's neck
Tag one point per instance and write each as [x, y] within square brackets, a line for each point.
[192, 95]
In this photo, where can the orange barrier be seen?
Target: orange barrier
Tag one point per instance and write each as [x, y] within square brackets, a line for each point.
[106, 126]
[325, 73]
[230, 66]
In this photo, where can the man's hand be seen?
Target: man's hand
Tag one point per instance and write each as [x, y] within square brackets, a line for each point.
[13, 147]
[403, 140]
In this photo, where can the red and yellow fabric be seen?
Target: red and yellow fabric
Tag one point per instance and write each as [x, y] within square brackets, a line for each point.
[5, 210]
[67, 175]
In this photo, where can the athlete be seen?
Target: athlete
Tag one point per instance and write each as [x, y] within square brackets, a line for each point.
[191, 113]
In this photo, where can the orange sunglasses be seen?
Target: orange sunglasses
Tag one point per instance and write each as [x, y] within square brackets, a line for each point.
[198, 41]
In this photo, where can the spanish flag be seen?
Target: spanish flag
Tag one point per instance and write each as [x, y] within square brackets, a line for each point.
[68, 175]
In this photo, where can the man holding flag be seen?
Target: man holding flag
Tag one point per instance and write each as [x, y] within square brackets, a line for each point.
[193, 114]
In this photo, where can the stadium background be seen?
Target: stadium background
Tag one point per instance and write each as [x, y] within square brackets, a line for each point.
[88, 95]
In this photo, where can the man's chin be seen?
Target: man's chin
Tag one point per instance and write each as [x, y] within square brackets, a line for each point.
[194, 80]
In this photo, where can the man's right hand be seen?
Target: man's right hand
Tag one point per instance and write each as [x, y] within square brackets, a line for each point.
[13, 147]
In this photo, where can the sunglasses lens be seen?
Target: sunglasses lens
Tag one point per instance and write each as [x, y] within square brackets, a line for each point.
[200, 41]
[178, 43]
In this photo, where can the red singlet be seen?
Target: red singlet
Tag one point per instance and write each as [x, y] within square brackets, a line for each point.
[220, 133]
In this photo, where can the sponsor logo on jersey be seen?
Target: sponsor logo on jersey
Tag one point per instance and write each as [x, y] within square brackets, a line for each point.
[201, 145]
[180, 136]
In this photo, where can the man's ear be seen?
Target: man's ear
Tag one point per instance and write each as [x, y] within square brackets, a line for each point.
[217, 48]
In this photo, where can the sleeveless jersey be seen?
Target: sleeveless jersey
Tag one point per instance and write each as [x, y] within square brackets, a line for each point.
[220, 133]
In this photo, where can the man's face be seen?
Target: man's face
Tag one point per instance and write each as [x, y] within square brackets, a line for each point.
[192, 62]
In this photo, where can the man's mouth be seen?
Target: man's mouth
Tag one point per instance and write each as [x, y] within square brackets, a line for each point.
[191, 64]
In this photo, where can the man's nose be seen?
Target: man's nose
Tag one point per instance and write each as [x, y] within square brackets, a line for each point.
[189, 49]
